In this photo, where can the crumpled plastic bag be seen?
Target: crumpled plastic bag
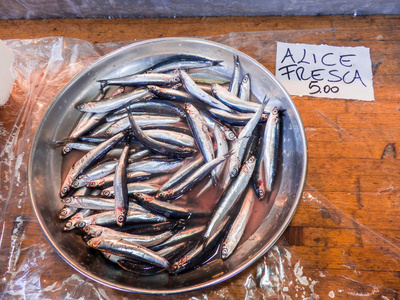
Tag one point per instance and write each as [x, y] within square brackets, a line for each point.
[287, 271]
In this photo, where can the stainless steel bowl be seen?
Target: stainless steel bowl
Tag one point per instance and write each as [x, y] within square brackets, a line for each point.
[45, 168]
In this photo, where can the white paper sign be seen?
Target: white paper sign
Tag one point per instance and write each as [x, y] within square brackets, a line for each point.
[325, 71]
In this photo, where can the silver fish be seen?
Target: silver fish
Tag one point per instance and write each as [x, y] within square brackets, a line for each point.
[87, 160]
[192, 88]
[115, 102]
[229, 198]
[270, 152]
[96, 203]
[144, 240]
[199, 129]
[129, 250]
[192, 179]
[120, 187]
[182, 173]
[109, 179]
[99, 171]
[244, 88]
[141, 121]
[237, 228]
[235, 102]
[240, 145]
[183, 62]
[133, 187]
[143, 79]
[108, 218]
[234, 85]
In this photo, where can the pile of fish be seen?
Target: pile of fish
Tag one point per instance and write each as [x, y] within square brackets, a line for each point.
[151, 144]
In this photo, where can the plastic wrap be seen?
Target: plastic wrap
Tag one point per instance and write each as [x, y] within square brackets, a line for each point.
[31, 269]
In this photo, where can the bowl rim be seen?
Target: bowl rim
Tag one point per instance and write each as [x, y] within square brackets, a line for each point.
[202, 285]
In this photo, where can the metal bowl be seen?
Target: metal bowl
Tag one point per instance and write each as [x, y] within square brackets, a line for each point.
[271, 219]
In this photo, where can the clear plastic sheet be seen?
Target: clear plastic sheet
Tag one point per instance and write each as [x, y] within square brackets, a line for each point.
[31, 269]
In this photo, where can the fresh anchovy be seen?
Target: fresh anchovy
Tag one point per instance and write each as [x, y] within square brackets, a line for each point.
[143, 79]
[150, 229]
[253, 145]
[156, 165]
[234, 85]
[211, 122]
[129, 250]
[185, 235]
[114, 102]
[229, 198]
[236, 103]
[74, 221]
[182, 173]
[184, 62]
[192, 179]
[200, 253]
[83, 146]
[109, 180]
[144, 240]
[171, 137]
[141, 121]
[208, 76]
[236, 119]
[181, 127]
[116, 116]
[153, 106]
[199, 129]
[98, 131]
[237, 228]
[165, 208]
[137, 154]
[90, 120]
[244, 88]
[222, 145]
[67, 211]
[240, 145]
[81, 127]
[95, 203]
[173, 94]
[87, 160]
[99, 171]
[133, 187]
[120, 187]
[192, 88]
[144, 269]
[157, 146]
[270, 152]
[108, 218]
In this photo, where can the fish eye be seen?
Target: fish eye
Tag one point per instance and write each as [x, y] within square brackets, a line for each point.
[81, 224]
[75, 183]
[67, 200]
[66, 150]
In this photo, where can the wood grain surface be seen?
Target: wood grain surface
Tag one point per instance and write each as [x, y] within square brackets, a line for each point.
[344, 240]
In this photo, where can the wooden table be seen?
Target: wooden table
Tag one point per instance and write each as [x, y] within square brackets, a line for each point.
[343, 241]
